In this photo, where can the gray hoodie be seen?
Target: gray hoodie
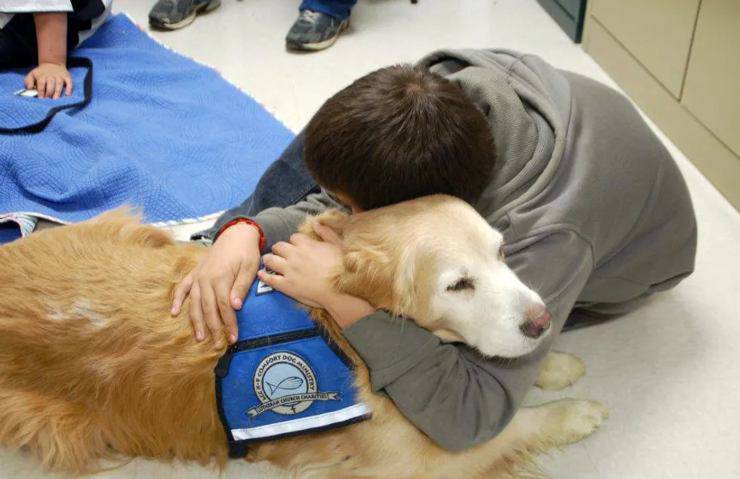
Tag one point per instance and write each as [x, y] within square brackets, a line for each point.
[595, 216]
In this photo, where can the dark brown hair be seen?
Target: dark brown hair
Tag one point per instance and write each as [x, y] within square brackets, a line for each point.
[399, 133]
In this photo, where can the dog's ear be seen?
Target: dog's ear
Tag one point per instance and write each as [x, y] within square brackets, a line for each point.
[384, 278]
[366, 272]
[334, 219]
[404, 284]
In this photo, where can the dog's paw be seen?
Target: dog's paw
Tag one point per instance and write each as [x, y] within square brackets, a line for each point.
[559, 370]
[575, 419]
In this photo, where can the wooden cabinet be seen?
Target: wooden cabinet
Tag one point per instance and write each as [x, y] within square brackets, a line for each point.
[712, 91]
[679, 60]
[569, 14]
[657, 32]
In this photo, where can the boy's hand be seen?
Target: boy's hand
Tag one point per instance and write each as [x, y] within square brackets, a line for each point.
[219, 283]
[49, 80]
[303, 268]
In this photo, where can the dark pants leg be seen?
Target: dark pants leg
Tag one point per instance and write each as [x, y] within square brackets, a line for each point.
[18, 42]
[336, 8]
[18, 46]
[285, 182]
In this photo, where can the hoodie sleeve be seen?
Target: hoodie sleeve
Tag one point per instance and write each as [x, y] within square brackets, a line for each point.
[449, 391]
[277, 223]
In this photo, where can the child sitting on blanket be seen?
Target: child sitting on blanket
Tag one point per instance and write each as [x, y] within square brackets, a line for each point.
[593, 209]
[42, 33]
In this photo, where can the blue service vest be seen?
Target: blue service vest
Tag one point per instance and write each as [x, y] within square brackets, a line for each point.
[283, 376]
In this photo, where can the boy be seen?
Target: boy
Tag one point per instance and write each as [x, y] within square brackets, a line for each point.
[595, 215]
[42, 32]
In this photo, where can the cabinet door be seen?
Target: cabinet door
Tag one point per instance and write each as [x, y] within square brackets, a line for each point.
[657, 33]
[569, 14]
[712, 88]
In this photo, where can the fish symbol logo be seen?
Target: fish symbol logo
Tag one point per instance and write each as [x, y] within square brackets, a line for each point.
[288, 384]
[285, 383]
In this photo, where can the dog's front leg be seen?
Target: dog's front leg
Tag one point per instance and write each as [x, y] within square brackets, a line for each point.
[554, 424]
[537, 429]
[532, 430]
[559, 370]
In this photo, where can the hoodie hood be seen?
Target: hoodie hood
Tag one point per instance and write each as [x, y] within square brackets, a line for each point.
[527, 103]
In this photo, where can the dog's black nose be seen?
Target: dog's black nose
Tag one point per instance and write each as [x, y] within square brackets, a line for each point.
[538, 321]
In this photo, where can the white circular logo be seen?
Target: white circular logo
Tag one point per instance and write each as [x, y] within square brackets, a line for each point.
[284, 383]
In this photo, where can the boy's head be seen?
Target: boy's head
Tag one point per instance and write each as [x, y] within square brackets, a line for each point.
[399, 133]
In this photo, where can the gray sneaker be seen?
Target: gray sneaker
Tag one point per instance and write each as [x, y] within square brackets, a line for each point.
[174, 14]
[314, 31]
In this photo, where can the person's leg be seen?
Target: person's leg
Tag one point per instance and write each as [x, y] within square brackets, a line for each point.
[319, 24]
[80, 22]
[18, 42]
[338, 9]
[285, 182]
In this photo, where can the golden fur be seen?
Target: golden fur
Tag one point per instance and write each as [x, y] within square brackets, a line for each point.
[92, 365]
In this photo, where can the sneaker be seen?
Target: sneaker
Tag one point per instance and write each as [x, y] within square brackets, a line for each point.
[314, 31]
[174, 14]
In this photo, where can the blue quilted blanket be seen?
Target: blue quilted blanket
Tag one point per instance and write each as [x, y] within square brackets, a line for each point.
[161, 132]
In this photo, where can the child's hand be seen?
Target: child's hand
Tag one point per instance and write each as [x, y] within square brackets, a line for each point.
[219, 283]
[49, 79]
[303, 268]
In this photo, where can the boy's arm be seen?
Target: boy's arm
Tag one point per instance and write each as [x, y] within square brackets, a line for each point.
[279, 223]
[450, 392]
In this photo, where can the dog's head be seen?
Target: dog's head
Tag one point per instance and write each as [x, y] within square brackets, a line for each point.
[436, 261]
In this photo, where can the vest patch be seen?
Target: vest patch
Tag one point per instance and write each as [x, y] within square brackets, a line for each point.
[283, 376]
[286, 384]
[263, 288]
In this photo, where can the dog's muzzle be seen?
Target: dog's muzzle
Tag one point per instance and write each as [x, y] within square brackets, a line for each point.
[537, 322]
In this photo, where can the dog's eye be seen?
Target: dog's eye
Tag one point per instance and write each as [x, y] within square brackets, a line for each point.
[462, 284]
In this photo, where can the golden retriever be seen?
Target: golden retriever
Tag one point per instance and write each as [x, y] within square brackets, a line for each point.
[93, 367]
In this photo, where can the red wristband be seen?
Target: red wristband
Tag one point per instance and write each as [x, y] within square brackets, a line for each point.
[247, 221]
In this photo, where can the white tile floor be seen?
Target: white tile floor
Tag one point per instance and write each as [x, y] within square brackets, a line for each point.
[669, 372]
